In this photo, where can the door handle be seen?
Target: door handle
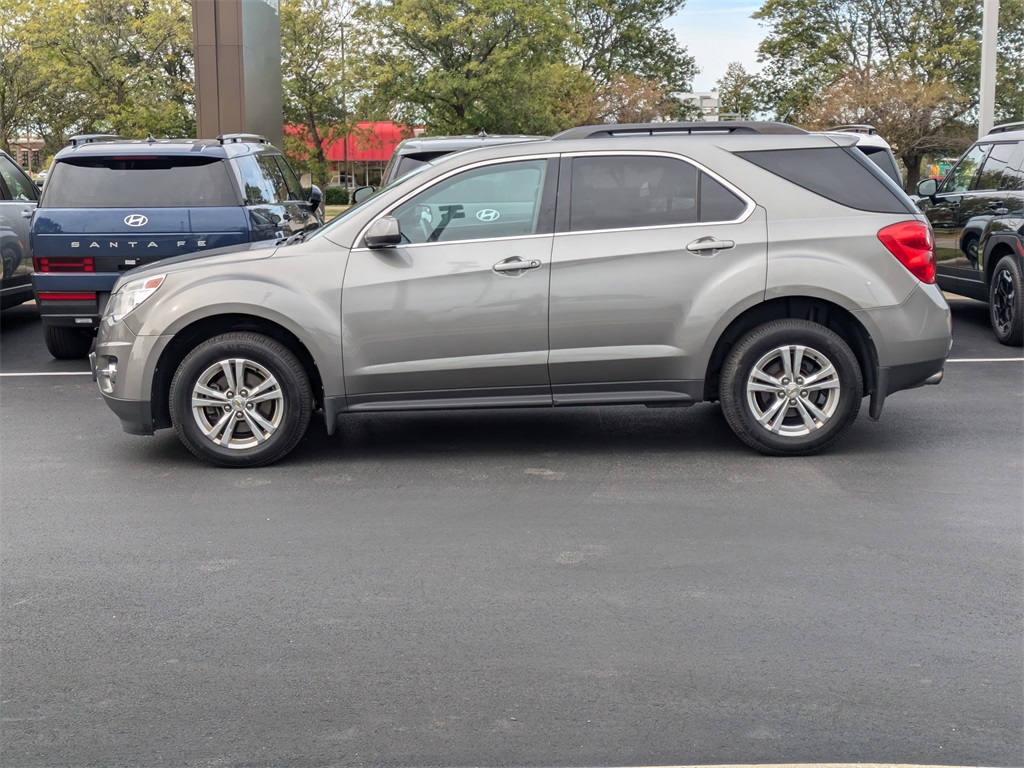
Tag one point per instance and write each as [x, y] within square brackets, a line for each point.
[709, 244]
[515, 264]
[26, 214]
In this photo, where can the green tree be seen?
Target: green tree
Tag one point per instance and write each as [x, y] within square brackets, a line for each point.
[738, 92]
[812, 44]
[317, 79]
[615, 38]
[20, 79]
[117, 66]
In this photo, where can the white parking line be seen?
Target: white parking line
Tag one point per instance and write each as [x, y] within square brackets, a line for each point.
[986, 360]
[50, 373]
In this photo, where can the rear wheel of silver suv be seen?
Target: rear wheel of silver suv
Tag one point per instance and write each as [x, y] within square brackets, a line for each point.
[240, 400]
[791, 387]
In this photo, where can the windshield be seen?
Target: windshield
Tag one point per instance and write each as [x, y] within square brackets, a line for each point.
[346, 215]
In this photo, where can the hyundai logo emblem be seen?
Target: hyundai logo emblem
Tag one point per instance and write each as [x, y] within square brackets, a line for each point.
[136, 220]
[488, 214]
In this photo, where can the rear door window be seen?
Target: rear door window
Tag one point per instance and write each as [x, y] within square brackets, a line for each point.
[627, 191]
[139, 182]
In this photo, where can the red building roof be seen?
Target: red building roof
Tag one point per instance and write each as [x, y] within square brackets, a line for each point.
[368, 141]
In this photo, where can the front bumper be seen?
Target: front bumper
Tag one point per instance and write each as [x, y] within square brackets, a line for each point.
[123, 367]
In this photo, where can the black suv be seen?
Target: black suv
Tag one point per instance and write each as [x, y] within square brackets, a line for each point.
[111, 204]
[18, 196]
[976, 213]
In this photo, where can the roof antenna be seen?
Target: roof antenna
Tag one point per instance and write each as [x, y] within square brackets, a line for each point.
[481, 133]
[150, 138]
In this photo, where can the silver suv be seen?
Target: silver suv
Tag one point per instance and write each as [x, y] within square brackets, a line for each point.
[778, 272]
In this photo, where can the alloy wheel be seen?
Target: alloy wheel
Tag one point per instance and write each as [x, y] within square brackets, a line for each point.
[793, 390]
[237, 403]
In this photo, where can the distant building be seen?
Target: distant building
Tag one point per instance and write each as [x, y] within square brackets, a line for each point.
[707, 104]
[364, 152]
[26, 151]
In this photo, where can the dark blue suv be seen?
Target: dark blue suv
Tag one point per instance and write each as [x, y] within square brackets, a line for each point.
[111, 204]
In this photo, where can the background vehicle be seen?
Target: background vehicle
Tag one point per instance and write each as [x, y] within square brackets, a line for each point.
[18, 198]
[985, 186]
[778, 272]
[412, 153]
[111, 204]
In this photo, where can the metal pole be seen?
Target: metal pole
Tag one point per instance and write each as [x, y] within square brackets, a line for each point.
[989, 35]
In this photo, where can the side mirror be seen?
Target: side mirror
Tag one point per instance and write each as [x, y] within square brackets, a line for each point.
[315, 197]
[384, 233]
[928, 188]
[362, 193]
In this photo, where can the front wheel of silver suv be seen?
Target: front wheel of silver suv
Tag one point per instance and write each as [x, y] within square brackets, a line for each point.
[240, 400]
[790, 387]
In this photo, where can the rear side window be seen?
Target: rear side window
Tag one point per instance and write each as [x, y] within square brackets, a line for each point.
[407, 163]
[995, 167]
[835, 174]
[139, 182]
[622, 192]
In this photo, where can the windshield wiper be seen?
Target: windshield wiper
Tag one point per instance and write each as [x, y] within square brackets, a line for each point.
[298, 237]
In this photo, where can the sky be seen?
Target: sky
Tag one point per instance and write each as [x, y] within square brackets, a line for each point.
[715, 33]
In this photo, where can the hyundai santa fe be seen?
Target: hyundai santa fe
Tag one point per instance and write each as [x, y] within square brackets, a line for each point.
[778, 272]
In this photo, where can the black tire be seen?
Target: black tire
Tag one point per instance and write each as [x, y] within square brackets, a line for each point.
[284, 405]
[836, 396]
[1006, 302]
[67, 343]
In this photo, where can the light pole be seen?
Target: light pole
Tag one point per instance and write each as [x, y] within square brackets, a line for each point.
[989, 37]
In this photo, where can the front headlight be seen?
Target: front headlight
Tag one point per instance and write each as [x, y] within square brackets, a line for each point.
[131, 294]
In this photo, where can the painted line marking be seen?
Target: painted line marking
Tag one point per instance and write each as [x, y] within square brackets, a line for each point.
[50, 373]
[986, 360]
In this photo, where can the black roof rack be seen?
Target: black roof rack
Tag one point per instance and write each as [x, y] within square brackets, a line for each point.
[656, 129]
[233, 138]
[857, 128]
[1006, 127]
[92, 138]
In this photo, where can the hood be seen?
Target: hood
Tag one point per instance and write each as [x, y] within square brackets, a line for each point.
[261, 249]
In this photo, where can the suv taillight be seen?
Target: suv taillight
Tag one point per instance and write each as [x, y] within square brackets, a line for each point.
[912, 243]
[63, 264]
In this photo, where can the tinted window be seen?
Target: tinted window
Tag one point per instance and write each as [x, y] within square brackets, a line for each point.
[407, 163]
[628, 191]
[493, 201]
[995, 167]
[272, 172]
[18, 186]
[837, 175]
[257, 186]
[884, 159]
[717, 203]
[135, 182]
[1013, 177]
[290, 179]
[963, 175]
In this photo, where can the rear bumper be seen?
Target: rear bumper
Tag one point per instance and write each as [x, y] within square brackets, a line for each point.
[71, 311]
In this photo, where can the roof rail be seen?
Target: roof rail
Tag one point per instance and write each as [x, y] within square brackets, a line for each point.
[234, 138]
[655, 129]
[1006, 127]
[857, 128]
[92, 138]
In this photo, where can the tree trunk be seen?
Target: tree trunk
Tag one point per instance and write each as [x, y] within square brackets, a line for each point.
[913, 164]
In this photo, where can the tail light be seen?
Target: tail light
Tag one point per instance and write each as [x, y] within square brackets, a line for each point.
[63, 264]
[67, 296]
[912, 243]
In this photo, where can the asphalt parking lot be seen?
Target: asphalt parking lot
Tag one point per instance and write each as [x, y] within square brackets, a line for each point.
[609, 586]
